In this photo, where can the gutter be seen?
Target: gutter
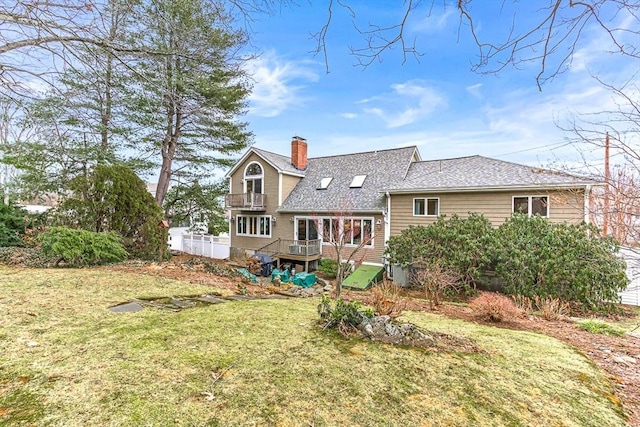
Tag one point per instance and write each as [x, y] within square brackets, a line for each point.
[489, 189]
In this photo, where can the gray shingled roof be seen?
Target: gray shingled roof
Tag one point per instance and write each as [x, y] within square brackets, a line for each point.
[282, 163]
[476, 172]
[382, 167]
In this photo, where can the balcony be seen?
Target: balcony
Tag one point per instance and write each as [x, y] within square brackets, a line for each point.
[246, 201]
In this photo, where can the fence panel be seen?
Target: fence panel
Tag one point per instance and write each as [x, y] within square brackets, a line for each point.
[206, 245]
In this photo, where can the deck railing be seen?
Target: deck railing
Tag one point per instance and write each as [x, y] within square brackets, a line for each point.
[292, 247]
[255, 201]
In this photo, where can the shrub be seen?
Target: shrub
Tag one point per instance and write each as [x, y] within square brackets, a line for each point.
[328, 267]
[598, 327]
[435, 280]
[345, 316]
[524, 304]
[570, 262]
[457, 244]
[494, 307]
[82, 247]
[26, 257]
[386, 299]
[114, 199]
[12, 224]
[551, 308]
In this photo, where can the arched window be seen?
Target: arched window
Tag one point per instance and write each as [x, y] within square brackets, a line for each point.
[253, 176]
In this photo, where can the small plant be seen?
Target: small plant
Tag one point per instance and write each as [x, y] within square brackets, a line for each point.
[551, 308]
[328, 267]
[598, 327]
[435, 280]
[386, 300]
[494, 307]
[524, 303]
[82, 247]
[345, 316]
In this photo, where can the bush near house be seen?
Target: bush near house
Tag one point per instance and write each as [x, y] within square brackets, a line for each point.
[328, 267]
[532, 256]
[82, 247]
[455, 244]
[571, 262]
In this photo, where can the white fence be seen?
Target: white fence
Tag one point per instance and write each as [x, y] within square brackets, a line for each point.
[205, 245]
[631, 295]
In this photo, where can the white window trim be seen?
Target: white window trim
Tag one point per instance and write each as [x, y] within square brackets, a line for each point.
[262, 236]
[370, 245]
[245, 178]
[530, 203]
[426, 206]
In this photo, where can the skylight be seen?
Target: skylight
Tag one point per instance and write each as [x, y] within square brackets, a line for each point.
[324, 183]
[358, 180]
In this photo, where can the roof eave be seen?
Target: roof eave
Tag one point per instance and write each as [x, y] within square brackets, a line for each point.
[257, 153]
[491, 188]
[345, 212]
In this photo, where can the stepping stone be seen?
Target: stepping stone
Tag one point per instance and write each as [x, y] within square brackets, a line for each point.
[129, 307]
[239, 298]
[211, 299]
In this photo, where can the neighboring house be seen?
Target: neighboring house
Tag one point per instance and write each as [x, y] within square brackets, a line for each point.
[287, 206]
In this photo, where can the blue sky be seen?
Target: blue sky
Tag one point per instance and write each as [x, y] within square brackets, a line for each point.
[435, 101]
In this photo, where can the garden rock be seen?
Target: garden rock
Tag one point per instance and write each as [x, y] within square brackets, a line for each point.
[382, 328]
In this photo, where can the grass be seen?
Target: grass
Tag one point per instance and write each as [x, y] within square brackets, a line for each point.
[66, 360]
[599, 327]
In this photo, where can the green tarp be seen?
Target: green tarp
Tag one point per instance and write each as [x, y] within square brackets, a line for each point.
[364, 277]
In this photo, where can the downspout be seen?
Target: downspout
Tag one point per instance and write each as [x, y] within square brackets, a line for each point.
[587, 203]
[387, 220]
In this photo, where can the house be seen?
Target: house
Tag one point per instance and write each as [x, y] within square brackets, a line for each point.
[290, 206]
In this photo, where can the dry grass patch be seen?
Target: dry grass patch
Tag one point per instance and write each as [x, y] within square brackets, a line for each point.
[66, 360]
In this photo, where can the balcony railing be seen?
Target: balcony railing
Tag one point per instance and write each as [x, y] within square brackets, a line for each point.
[248, 201]
[284, 247]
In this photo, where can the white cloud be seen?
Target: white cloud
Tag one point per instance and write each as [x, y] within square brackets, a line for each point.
[349, 115]
[407, 103]
[434, 21]
[278, 84]
[474, 90]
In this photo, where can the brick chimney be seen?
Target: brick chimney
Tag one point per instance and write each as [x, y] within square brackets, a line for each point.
[299, 153]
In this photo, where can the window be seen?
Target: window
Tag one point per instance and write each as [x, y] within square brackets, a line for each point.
[259, 226]
[253, 177]
[324, 183]
[531, 205]
[358, 180]
[426, 207]
[353, 231]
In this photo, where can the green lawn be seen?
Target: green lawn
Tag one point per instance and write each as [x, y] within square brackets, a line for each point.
[66, 360]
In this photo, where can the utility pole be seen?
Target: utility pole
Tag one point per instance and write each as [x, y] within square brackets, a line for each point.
[607, 178]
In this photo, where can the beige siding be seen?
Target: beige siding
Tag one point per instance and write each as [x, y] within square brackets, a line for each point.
[564, 206]
[288, 183]
[270, 188]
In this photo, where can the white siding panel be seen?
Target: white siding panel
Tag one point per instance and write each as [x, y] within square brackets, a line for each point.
[631, 295]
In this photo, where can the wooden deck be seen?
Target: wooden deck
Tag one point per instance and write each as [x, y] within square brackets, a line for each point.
[293, 250]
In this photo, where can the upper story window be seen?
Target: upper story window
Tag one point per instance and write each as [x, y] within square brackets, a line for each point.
[253, 178]
[426, 207]
[324, 183]
[358, 180]
[531, 205]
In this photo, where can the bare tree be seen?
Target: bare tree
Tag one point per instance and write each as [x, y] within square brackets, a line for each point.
[550, 36]
[349, 237]
[618, 206]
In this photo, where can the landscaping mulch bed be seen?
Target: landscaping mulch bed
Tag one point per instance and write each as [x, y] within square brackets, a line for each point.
[615, 355]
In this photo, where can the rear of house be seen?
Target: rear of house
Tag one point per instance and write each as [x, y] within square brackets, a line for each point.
[296, 207]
